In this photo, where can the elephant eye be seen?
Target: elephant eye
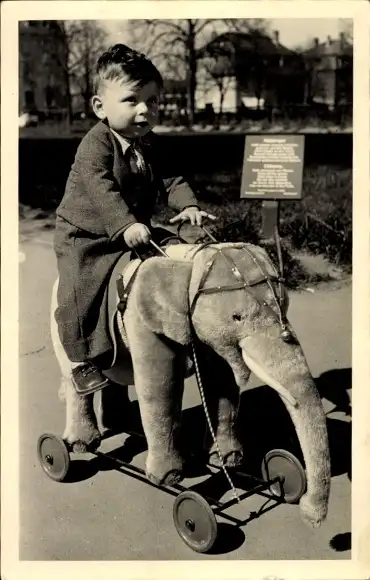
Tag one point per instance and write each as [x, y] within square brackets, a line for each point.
[238, 317]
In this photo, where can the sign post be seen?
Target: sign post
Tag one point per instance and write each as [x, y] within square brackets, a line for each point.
[272, 171]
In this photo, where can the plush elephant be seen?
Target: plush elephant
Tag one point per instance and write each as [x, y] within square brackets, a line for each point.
[241, 326]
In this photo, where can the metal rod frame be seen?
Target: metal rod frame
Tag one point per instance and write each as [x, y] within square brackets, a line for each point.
[217, 506]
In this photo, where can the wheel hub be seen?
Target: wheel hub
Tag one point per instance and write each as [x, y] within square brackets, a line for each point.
[195, 521]
[53, 456]
[281, 464]
[190, 525]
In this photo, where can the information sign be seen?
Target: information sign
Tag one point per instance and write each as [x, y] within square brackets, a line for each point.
[273, 167]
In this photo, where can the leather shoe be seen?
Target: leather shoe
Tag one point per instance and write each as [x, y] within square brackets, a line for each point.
[88, 378]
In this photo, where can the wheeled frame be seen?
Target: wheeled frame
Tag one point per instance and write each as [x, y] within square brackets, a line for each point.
[283, 481]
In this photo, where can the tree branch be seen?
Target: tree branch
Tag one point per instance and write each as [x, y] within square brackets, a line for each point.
[167, 23]
[204, 24]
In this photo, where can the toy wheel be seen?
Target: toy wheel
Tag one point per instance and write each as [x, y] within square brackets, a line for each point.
[195, 521]
[53, 456]
[279, 462]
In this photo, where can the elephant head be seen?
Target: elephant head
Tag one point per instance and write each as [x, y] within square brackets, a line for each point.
[242, 325]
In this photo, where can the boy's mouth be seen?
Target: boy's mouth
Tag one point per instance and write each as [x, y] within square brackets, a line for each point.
[142, 124]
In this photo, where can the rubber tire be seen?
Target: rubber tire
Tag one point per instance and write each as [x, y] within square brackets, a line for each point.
[269, 472]
[202, 516]
[60, 453]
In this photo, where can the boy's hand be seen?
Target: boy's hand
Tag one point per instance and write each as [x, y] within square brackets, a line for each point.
[192, 214]
[136, 235]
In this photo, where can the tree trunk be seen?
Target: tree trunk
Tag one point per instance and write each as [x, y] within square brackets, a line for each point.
[62, 53]
[191, 72]
[222, 97]
[87, 89]
[68, 98]
[87, 73]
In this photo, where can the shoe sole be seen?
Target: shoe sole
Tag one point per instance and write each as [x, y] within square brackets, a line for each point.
[85, 392]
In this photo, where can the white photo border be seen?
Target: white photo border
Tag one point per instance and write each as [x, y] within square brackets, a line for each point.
[358, 567]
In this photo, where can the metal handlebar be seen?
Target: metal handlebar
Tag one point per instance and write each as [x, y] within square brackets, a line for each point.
[205, 230]
[211, 236]
[158, 248]
[163, 252]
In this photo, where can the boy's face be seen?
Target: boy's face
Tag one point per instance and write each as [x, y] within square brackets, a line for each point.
[132, 111]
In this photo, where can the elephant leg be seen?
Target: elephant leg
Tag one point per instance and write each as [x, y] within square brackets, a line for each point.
[222, 396]
[228, 444]
[158, 377]
[81, 430]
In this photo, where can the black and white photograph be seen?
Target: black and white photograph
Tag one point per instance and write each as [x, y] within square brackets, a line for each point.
[187, 193]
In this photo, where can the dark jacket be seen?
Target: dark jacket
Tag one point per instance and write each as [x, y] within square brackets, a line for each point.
[105, 194]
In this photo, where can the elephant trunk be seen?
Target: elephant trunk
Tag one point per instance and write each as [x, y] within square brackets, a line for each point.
[285, 370]
[310, 423]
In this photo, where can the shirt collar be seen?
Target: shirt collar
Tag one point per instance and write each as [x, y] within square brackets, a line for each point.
[125, 143]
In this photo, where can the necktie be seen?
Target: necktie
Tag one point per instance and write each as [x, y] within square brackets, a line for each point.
[143, 167]
[139, 159]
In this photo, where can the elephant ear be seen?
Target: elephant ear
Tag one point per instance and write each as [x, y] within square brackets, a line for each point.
[161, 294]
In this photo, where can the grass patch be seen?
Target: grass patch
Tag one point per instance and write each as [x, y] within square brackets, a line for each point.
[320, 223]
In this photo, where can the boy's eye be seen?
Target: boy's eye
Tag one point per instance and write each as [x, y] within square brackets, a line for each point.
[129, 100]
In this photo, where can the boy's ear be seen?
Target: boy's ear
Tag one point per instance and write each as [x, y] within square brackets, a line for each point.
[98, 107]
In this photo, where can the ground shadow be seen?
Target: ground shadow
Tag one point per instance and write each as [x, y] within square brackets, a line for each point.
[229, 539]
[82, 469]
[334, 386]
[132, 446]
[265, 424]
[341, 542]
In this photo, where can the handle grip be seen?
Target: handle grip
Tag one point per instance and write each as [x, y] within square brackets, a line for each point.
[205, 230]
[158, 248]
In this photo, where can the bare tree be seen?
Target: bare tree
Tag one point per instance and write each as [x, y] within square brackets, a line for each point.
[82, 41]
[87, 42]
[217, 73]
[174, 45]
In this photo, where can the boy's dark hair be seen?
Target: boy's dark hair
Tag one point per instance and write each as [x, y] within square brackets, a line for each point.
[121, 61]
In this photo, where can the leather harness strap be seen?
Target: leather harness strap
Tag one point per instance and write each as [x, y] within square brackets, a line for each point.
[124, 292]
[278, 299]
[241, 283]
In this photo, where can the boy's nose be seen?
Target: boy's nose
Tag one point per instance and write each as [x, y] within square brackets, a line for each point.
[142, 108]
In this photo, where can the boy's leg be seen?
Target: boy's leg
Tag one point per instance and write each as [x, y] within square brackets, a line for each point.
[85, 265]
[87, 376]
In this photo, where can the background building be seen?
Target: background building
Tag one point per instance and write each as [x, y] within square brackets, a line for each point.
[42, 68]
[329, 67]
[255, 68]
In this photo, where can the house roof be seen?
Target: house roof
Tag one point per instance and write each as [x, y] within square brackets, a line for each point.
[332, 47]
[239, 42]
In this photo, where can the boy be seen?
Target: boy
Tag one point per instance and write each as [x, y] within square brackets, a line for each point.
[106, 209]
